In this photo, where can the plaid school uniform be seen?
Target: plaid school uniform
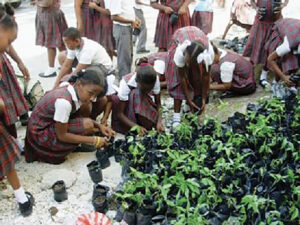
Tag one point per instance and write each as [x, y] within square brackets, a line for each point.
[106, 31]
[164, 30]
[10, 92]
[9, 151]
[41, 142]
[260, 33]
[91, 21]
[194, 74]
[139, 106]
[291, 29]
[50, 23]
[203, 20]
[243, 81]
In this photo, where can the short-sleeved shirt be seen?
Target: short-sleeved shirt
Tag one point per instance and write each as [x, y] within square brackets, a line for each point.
[124, 88]
[204, 6]
[284, 48]
[122, 8]
[63, 107]
[227, 69]
[90, 53]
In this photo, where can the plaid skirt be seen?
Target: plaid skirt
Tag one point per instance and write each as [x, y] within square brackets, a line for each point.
[50, 26]
[140, 110]
[10, 92]
[203, 20]
[164, 30]
[106, 33]
[91, 23]
[289, 61]
[9, 151]
[255, 47]
[45, 146]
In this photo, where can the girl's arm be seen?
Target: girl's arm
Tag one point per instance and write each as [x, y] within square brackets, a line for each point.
[160, 7]
[254, 5]
[14, 55]
[205, 86]
[220, 87]
[107, 111]
[159, 125]
[272, 61]
[184, 7]
[93, 5]
[77, 6]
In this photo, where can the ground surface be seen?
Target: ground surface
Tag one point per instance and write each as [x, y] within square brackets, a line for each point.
[38, 177]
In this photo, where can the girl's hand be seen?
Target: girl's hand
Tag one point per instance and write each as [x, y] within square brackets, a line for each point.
[93, 5]
[104, 121]
[24, 71]
[103, 142]
[143, 131]
[193, 106]
[182, 10]
[160, 127]
[278, 9]
[168, 10]
[107, 131]
[288, 82]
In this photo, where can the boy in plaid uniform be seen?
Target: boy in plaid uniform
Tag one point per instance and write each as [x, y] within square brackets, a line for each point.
[50, 23]
[9, 149]
[105, 33]
[88, 19]
[232, 73]
[164, 29]
[284, 49]
[187, 73]
[267, 13]
[59, 121]
[133, 104]
[203, 16]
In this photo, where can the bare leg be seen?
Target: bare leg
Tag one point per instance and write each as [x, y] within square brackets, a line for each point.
[162, 50]
[51, 56]
[13, 179]
[229, 25]
[62, 56]
[177, 105]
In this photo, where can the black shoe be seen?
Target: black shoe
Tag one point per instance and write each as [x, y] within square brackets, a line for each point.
[142, 51]
[48, 75]
[264, 83]
[24, 119]
[26, 207]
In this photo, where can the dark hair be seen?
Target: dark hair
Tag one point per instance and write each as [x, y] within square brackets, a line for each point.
[91, 76]
[195, 49]
[6, 16]
[72, 33]
[139, 61]
[146, 75]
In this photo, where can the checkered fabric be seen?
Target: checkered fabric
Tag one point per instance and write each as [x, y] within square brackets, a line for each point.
[164, 30]
[157, 56]
[203, 20]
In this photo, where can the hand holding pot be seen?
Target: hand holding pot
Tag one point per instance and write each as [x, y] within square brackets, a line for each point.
[136, 23]
[168, 10]
[183, 10]
[143, 131]
[93, 5]
[193, 106]
[107, 131]
[288, 82]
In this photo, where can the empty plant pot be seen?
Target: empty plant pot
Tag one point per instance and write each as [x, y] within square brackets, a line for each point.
[95, 171]
[59, 190]
[100, 204]
[173, 18]
[129, 217]
[102, 157]
[100, 190]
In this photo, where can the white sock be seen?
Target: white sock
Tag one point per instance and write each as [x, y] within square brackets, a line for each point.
[263, 75]
[50, 70]
[176, 117]
[20, 195]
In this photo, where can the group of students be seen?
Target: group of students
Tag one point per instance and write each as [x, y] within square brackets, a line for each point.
[66, 116]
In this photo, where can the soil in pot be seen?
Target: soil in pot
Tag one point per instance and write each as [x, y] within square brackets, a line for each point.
[59, 190]
[95, 171]
[100, 204]
[100, 190]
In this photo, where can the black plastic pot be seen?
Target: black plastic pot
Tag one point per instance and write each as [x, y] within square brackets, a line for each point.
[95, 171]
[59, 190]
[173, 18]
[102, 157]
[100, 204]
[100, 190]
[142, 219]
[129, 217]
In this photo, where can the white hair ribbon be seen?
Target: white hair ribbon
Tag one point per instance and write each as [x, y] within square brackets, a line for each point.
[207, 56]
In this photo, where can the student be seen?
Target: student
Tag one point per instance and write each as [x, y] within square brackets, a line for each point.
[88, 20]
[203, 16]
[50, 25]
[124, 20]
[142, 37]
[9, 150]
[158, 61]
[106, 27]
[164, 29]
[187, 73]
[56, 125]
[133, 104]
[232, 73]
[284, 49]
[267, 14]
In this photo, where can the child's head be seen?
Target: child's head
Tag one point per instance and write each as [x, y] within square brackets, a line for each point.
[192, 51]
[90, 84]
[72, 38]
[8, 27]
[146, 78]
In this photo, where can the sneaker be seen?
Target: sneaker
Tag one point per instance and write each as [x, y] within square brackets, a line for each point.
[26, 207]
[47, 75]
[142, 51]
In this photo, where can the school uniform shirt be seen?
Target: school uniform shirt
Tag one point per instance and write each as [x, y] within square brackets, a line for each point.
[226, 69]
[90, 53]
[124, 88]
[124, 9]
[204, 6]
[284, 48]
